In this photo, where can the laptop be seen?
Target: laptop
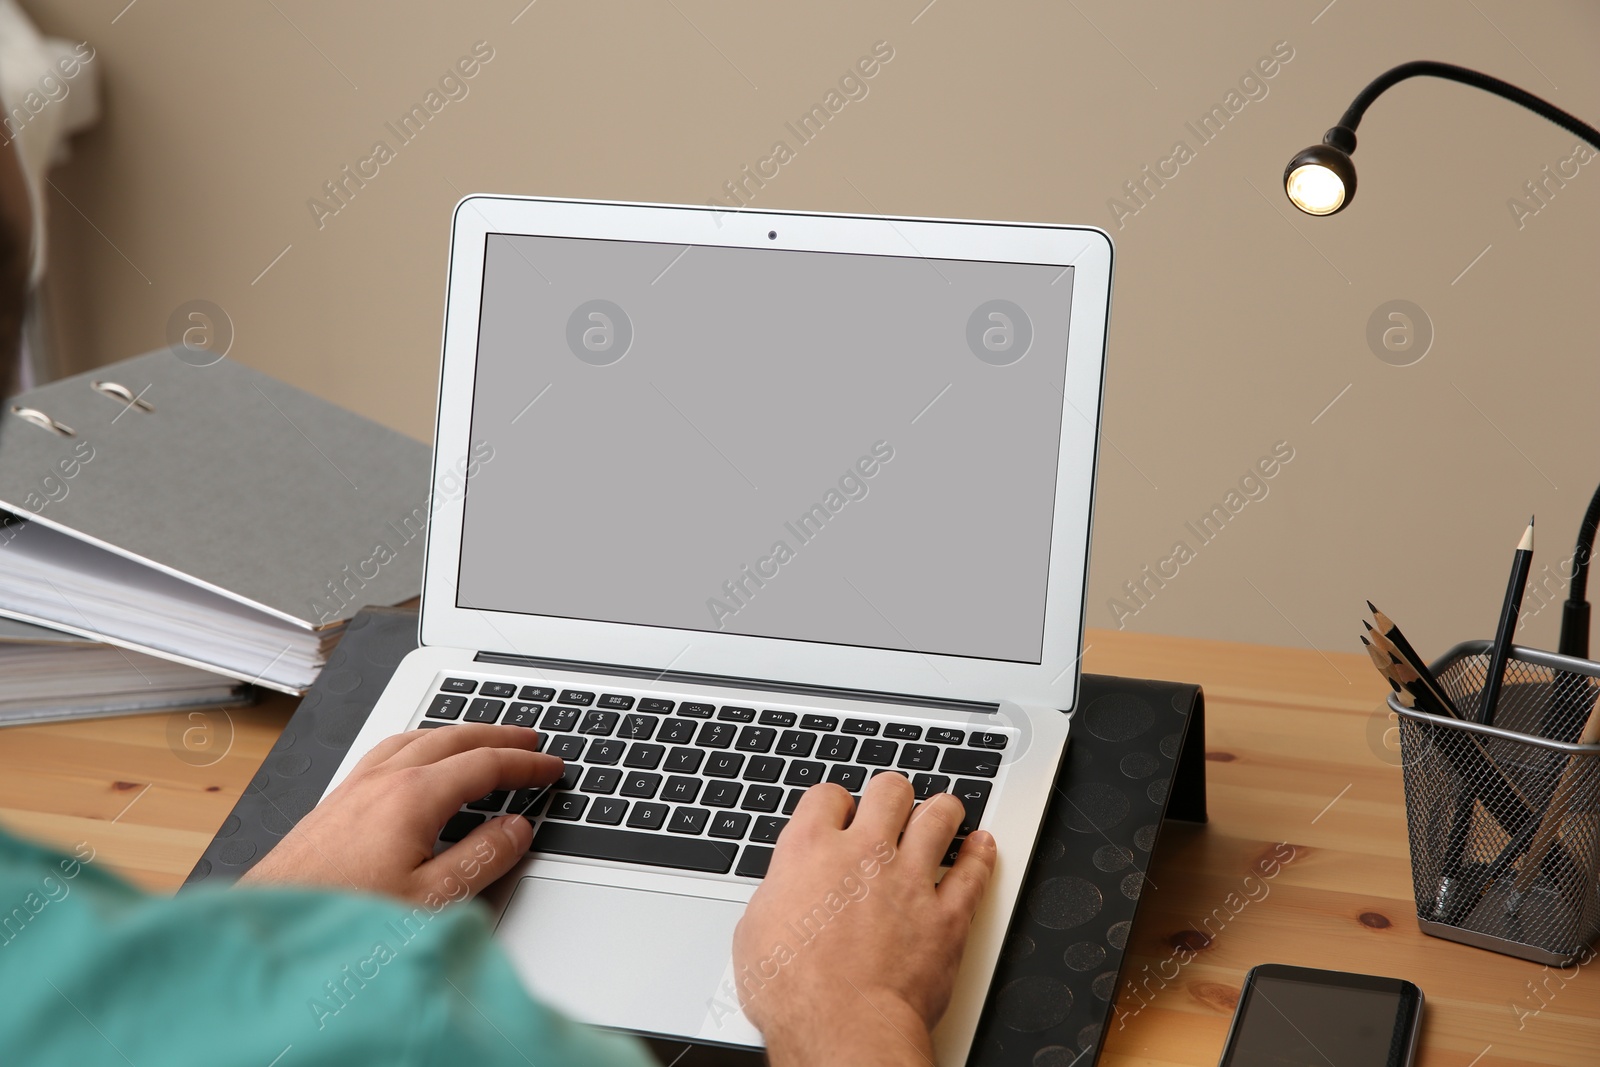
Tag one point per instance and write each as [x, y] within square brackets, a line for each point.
[727, 504]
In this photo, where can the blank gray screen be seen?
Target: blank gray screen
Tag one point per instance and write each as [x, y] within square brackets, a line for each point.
[825, 447]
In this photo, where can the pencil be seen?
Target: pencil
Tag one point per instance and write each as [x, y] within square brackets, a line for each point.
[1500, 652]
[1390, 632]
[1554, 815]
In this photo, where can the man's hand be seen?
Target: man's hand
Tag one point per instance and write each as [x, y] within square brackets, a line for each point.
[848, 951]
[375, 833]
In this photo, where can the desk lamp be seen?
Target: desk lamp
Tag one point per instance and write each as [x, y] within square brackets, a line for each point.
[1321, 180]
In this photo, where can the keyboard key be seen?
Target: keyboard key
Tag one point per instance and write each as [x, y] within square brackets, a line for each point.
[697, 708]
[927, 785]
[567, 806]
[987, 740]
[460, 825]
[729, 824]
[939, 736]
[974, 794]
[753, 861]
[527, 802]
[607, 811]
[599, 723]
[903, 731]
[577, 696]
[523, 715]
[688, 820]
[768, 827]
[559, 720]
[685, 760]
[539, 694]
[648, 816]
[755, 739]
[644, 757]
[804, 773]
[498, 689]
[638, 727]
[715, 735]
[818, 722]
[762, 798]
[615, 702]
[484, 710]
[730, 713]
[791, 800]
[601, 780]
[952, 852]
[860, 727]
[656, 850]
[852, 778]
[721, 794]
[567, 746]
[724, 764]
[677, 731]
[763, 769]
[878, 753]
[569, 777]
[459, 685]
[836, 747]
[641, 784]
[979, 763]
[445, 706]
[921, 757]
[660, 707]
[605, 750]
[491, 802]
[681, 790]
[432, 724]
[777, 718]
[796, 743]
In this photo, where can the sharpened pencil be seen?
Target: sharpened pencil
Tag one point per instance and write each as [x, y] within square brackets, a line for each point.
[1500, 651]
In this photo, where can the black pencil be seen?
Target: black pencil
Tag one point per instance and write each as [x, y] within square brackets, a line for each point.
[1390, 632]
[1500, 652]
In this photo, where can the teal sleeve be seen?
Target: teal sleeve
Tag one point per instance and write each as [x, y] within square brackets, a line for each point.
[95, 971]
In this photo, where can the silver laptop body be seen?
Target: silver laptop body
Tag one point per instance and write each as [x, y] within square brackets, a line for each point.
[727, 503]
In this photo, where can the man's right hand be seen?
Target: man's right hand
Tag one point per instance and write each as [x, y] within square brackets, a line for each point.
[848, 951]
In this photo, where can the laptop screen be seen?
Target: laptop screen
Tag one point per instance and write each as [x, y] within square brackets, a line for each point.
[823, 447]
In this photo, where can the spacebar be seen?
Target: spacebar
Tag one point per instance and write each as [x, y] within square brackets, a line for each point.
[590, 842]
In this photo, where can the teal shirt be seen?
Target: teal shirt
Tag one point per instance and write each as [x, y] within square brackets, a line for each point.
[93, 971]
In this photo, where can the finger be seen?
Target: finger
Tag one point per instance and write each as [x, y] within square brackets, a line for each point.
[965, 882]
[931, 829]
[469, 866]
[435, 745]
[885, 803]
[386, 748]
[454, 780]
[827, 805]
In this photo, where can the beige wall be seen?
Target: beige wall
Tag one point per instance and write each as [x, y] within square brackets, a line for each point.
[1234, 324]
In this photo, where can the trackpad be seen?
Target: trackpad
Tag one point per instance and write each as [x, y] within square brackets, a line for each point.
[628, 958]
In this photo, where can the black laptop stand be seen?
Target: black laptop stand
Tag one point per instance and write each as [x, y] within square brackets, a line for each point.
[1136, 758]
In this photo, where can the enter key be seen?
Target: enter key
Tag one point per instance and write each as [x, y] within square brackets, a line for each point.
[974, 795]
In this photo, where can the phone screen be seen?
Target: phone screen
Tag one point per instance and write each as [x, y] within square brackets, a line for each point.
[1293, 1017]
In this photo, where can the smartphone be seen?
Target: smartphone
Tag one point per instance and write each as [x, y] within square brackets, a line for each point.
[1301, 1017]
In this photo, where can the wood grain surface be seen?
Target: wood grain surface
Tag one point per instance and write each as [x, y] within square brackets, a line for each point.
[1300, 753]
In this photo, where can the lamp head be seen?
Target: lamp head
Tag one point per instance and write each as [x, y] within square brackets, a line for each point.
[1321, 180]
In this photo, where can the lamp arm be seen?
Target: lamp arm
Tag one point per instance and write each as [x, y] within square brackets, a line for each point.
[1575, 612]
[1451, 72]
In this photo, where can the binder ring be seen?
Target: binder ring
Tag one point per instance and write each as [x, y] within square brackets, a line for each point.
[119, 392]
[39, 418]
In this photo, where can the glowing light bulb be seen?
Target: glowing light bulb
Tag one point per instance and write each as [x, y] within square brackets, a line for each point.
[1315, 189]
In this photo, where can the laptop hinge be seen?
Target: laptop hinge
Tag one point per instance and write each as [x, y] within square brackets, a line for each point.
[728, 682]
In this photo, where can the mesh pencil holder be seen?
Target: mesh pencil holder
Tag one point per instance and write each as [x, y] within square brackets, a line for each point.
[1504, 820]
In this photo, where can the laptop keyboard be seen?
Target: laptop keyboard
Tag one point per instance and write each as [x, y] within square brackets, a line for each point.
[691, 785]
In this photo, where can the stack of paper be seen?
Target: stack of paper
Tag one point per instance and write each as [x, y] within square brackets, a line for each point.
[53, 675]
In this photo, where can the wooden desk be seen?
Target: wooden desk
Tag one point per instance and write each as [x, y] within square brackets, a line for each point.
[1294, 755]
